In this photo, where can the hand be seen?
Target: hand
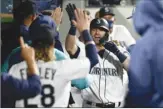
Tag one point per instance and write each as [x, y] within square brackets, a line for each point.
[82, 21]
[57, 15]
[27, 52]
[70, 8]
[111, 46]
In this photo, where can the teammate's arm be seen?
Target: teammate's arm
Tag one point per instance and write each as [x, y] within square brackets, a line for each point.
[72, 48]
[57, 16]
[70, 43]
[23, 88]
[82, 23]
[122, 58]
[28, 55]
[19, 89]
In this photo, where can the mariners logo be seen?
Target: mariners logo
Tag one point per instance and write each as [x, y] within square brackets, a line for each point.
[106, 9]
[98, 21]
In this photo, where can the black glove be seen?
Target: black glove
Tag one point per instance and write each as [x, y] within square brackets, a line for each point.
[114, 49]
[70, 8]
[70, 11]
[111, 47]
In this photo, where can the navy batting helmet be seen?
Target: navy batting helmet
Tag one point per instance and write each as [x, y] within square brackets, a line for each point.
[106, 11]
[43, 30]
[99, 23]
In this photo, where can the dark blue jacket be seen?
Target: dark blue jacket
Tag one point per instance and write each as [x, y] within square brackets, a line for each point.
[13, 89]
[146, 66]
[10, 39]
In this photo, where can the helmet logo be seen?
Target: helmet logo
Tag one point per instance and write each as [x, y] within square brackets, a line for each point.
[98, 21]
[106, 9]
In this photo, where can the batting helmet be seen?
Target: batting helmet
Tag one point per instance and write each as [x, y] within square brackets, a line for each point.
[106, 11]
[99, 23]
[43, 29]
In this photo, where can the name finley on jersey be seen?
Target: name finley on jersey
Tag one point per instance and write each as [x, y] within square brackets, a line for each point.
[44, 73]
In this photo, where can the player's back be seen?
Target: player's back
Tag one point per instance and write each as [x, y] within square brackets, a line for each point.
[55, 78]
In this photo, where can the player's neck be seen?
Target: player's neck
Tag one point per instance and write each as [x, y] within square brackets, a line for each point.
[99, 48]
[27, 23]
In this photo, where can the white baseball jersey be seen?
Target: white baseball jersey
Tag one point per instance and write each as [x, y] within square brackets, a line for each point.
[56, 79]
[122, 35]
[108, 81]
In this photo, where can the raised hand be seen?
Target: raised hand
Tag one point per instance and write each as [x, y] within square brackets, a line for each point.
[111, 46]
[82, 21]
[70, 8]
[57, 15]
[27, 52]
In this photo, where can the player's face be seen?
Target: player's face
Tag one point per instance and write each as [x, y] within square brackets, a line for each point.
[109, 17]
[32, 17]
[97, 34]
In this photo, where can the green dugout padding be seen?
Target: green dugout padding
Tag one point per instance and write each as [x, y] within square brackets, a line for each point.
[6, 20]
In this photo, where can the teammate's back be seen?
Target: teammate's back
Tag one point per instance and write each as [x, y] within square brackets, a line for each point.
[56, 79]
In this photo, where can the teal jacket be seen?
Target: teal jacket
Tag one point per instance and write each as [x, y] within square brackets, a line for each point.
[14, 58]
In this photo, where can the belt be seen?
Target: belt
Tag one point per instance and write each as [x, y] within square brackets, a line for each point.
[104, 105]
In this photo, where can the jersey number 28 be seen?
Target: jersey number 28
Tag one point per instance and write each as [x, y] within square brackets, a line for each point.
[44, 96]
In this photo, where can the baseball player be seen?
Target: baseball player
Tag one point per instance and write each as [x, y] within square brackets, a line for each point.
[108, 82]
[118, 33]
[14, 57]
[55, 76]
[13, 89]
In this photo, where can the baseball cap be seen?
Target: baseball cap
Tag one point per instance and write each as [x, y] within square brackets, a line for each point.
[25, 9]
[106, 11]
[43, 31]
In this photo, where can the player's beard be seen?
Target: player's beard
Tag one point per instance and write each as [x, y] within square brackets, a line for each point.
[99, 46]
[97, 41]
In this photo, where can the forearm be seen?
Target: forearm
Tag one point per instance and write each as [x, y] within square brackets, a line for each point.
[70, 43]
[123, 59]
[126, 63]
[19, 89]
[90, 48]
[28, 88]
[76, 54]
[32, 67]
